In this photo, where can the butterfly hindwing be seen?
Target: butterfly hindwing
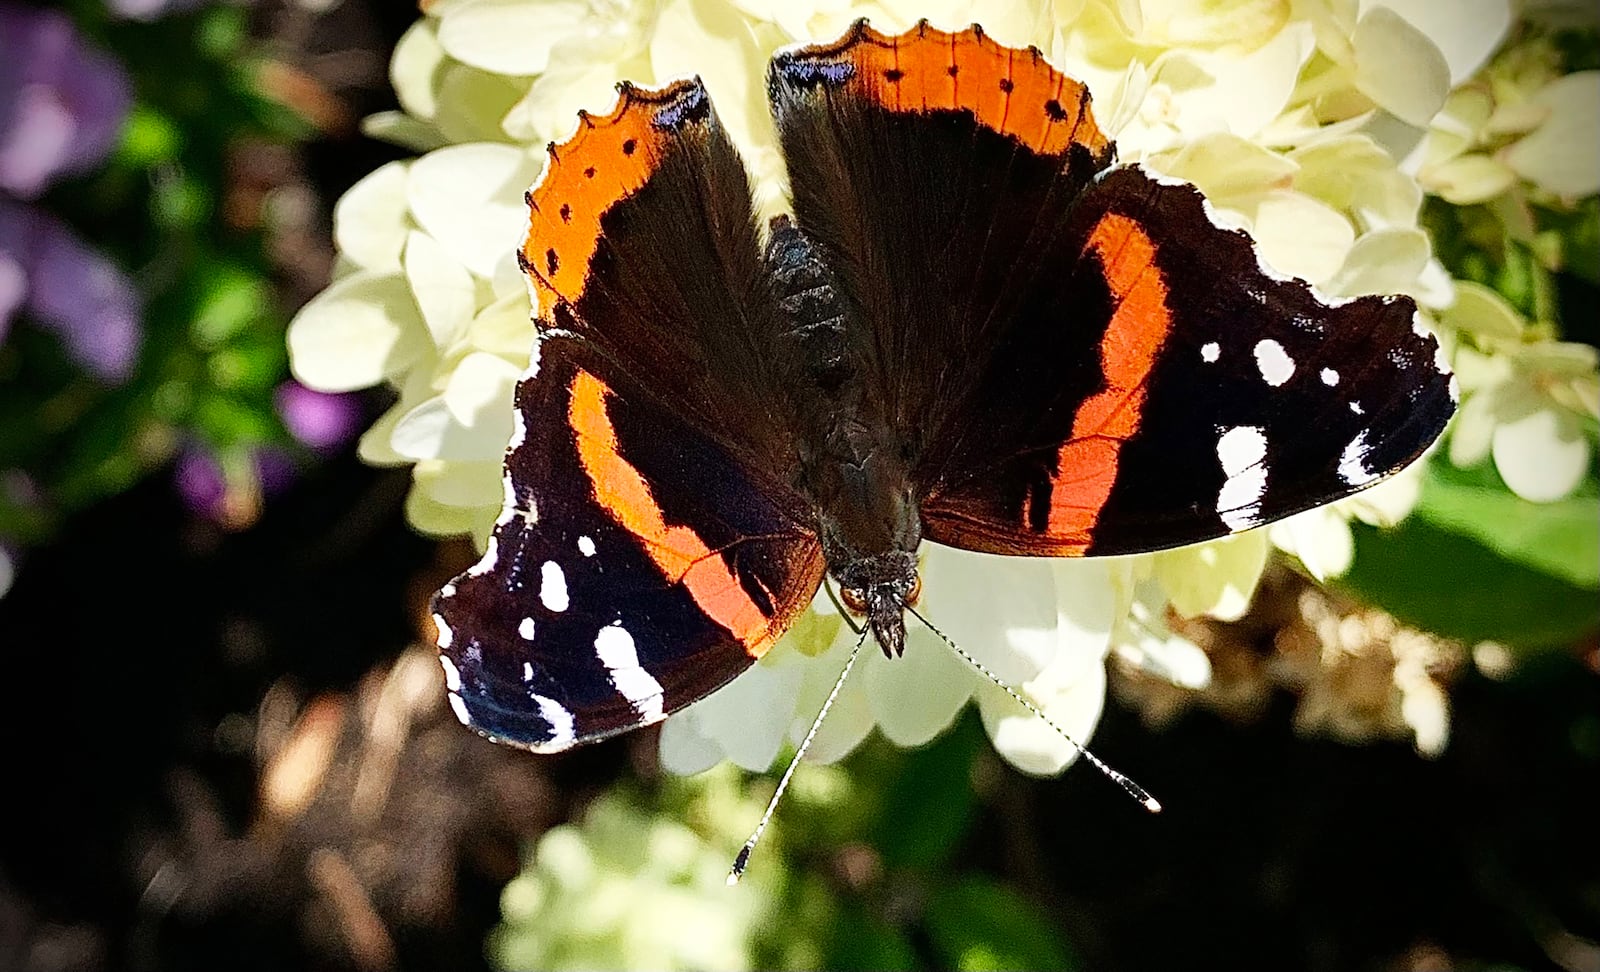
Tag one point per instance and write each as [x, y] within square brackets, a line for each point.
[1220, 395]
[636, 567]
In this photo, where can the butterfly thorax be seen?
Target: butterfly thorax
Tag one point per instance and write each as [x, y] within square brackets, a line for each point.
[851, 466]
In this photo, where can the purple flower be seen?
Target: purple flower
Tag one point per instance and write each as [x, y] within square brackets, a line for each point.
[62, 103]
[320, 421]
[200, 482]
[69, 288]
[232, 496]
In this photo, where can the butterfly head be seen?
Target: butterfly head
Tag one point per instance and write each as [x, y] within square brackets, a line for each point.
[880, 589]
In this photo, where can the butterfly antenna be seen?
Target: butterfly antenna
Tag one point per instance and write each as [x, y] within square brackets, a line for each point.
[740, 862]
[1133, 789]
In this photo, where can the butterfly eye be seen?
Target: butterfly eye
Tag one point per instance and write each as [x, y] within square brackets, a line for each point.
[854, 601]
[915, 594]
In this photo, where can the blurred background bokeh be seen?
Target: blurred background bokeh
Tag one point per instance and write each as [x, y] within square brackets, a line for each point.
[225, 743]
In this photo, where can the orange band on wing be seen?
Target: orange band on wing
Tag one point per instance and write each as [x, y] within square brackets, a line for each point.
[1087, 464]
[677, 550]
[1009, 90]
[607, 160]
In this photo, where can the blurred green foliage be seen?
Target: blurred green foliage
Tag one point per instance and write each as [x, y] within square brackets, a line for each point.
[213, 351]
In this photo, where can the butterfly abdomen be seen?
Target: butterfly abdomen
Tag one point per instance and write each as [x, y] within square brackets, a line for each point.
[812, 329]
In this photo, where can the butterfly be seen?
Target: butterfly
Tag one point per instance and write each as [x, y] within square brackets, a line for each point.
[975, 329]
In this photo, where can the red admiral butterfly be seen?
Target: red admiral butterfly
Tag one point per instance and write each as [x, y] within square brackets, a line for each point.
[975, 330]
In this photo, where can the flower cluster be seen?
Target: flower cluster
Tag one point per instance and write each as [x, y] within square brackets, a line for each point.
[627, 888]
[62, 106]
[1291, 117]
[1357, 674]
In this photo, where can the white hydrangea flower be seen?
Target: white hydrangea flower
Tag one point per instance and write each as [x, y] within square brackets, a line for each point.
[1260, 102]
[1042, 626]
[1528, 401]
[632, 888]
[1521, 120]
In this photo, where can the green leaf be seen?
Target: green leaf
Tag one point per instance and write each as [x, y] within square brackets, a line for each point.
[977, 923]
[1561, 539]
[1449, 583]
[862, 942]
[231, 299]
[928, 806]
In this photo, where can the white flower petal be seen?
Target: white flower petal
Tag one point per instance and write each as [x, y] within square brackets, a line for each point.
[1466, 32]
[1398, 67]
[1144, 641]
[1541, 456]
[505, 328]
[715, 43]
[1468, 179]
[1224, 166]
[1299, 235]
[417, 56]
[1246, 92]
[1480, 310]
[376, 446]
[1028, 742]
[470, 485]
[850, 720]
[1216, 578]
[1320, 538]
[370, 221]
[471, 420]
[914, 697]
[750, 716]
[1351, 172]
[1384, 261]
[549, 110]
[443, 288]
[1472, 430]
[361, 330]
[473, 103]
[469, 198]
[403, 130]
[1563, 154]
[684, 749]
[435, 518]
[508, 36]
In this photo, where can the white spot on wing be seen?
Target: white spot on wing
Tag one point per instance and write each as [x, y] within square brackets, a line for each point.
[1356, 408]
[1353, 461]
[527, 671]
[552, 586]
[519, 429]
[1274, 363]
[491, 555]
[508, 501]
[586, 546]
[1210, 351]
[459, 707]
[452, 677]
[525, 629]
[1242, 450]
[561, 731]
[445, 635]
[1330, 377]
[615, 647]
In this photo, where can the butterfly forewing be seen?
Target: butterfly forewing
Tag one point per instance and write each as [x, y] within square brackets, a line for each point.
[650, 548]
